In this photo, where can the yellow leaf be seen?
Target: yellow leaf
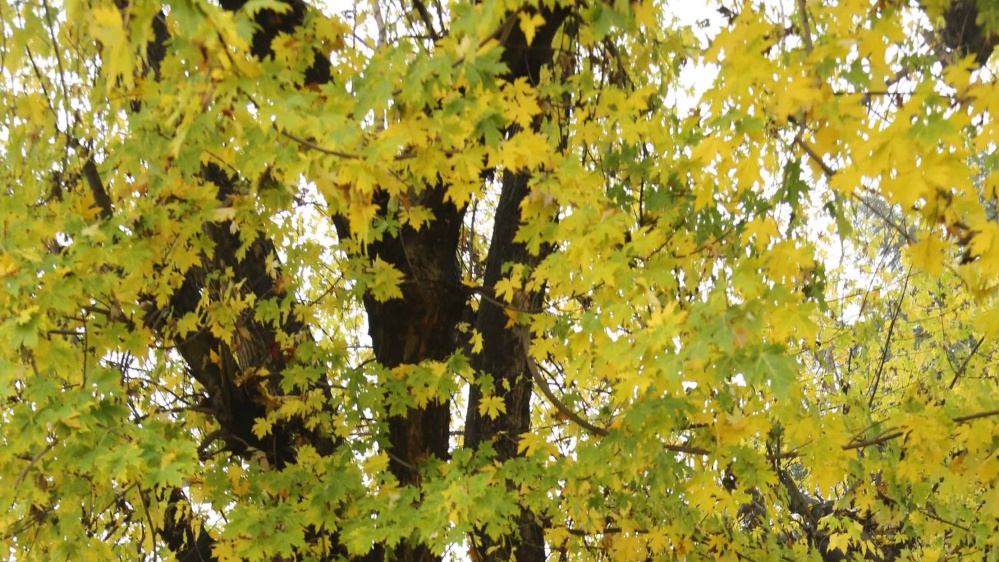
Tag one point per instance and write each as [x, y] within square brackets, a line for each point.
[476, 341]
[703, 197]
[763, 229]
[988, 322]
[25, 316]
[531, 443]
[240, 485]
[646, 13]
[385, 280]
[793, 320]
[930, 555]
[262, 427]
[8, 265]
[416, 217]
[506, 289]
[360, 214]
[492, 406]
[529, 24]
[291, 408]
[524, 151]
[376, 464]
[927, 254]
[72, 422]
[222, 214]
[984, 240]
[732, 429]
[840, 541]
[108, 30]
[521, 102]
[225, 551]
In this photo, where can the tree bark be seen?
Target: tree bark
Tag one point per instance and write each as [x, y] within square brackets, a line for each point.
[502, 354]
[420, 326]
[502, 358]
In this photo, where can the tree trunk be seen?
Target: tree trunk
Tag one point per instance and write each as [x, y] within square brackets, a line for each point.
[502, 357]
[216, 364]
[419, 327]
[502, 354]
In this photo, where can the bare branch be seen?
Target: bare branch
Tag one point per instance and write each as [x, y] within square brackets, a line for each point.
[826, 169]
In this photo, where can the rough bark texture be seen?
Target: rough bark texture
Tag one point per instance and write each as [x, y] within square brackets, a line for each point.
[418, 327]
[503, 358]
[422, 325]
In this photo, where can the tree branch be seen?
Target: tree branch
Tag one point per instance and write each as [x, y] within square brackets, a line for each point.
[806, 27]
[93, 179]
[828, 171]
[543, 385]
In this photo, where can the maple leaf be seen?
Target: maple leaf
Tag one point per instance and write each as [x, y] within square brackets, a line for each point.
[529, 23]
[385, 280]
[492, 406]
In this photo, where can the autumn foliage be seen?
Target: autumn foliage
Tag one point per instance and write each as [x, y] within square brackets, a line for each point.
[559, 280]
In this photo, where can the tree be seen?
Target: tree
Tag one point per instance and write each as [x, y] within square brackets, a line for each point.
[489, 280]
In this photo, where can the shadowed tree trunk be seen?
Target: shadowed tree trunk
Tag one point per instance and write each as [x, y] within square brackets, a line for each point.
[423, 324]
[502, 357]
[216, 365]
[418, 327]
[502, 354]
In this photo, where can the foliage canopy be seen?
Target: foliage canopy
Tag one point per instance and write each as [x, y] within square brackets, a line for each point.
[573, 280]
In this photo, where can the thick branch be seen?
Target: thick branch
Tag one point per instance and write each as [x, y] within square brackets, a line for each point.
[100, 194]
[962, 31]
[186, 538]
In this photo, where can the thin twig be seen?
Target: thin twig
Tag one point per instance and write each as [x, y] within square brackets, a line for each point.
[944, 521]
[34, 460]
[876, 440]
[400, 461]
[309, 144]
[686, 449]
[487, 293]
[979, 415]
[899, 229]
[964, 364]
[887, 344]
